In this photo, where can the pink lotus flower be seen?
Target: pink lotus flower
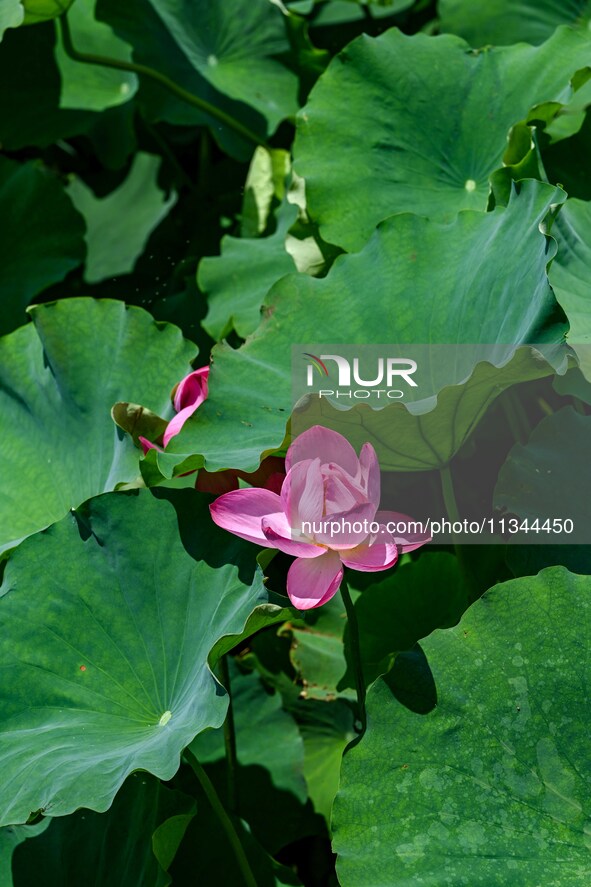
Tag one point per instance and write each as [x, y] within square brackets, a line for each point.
[326, 515]
[188, 395]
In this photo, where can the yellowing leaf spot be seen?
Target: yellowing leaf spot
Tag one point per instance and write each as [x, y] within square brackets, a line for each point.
[470, 185]
[165, 718]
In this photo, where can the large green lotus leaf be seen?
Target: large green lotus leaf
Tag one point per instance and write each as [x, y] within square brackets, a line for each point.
[108, 618]
[42, 239]
[12, 14]
[112, 848]
[234, 47]
[93, 87]
[548, 477]
[481, 278]
[492, 786]
[138, 23]
[503, 21]
[118, 225]
[236, 86]
[424, 144]
[570, 274]
[60, 377]
[237, 281]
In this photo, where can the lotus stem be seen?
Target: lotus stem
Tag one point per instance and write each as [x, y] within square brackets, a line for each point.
[145, 71]
[453, 513]
[224, 819]
[356, 661]
[449, 496]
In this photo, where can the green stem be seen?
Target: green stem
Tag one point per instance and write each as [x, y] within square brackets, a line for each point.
[449, 496]
[357, 662]
[230, 740]
[145, 71]
[453, 513]
[224, 819]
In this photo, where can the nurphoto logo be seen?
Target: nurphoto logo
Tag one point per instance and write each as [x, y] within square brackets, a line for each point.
[382, 372]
